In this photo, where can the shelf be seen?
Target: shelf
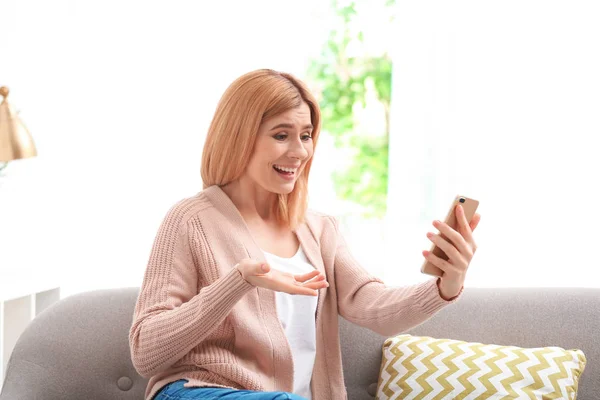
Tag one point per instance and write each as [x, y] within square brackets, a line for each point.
[22, 297]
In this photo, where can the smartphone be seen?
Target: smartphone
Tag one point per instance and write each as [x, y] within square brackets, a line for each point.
[469, 206]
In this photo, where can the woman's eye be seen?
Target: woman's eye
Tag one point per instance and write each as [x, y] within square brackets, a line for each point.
[283, 136]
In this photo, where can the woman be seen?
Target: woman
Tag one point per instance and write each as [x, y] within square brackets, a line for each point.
[242, 292]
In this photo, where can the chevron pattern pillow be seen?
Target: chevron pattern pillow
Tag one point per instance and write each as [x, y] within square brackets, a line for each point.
[418, 367]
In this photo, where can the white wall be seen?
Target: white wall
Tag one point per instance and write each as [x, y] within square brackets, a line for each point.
[118, 96]
[499, 101]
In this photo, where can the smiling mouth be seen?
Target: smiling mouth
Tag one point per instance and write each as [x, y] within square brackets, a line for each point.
[286, 172]
[283, 172]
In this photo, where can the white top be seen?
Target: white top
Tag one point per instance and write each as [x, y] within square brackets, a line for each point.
[297, 315]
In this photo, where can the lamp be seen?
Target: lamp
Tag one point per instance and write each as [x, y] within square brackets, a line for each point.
[15, 139]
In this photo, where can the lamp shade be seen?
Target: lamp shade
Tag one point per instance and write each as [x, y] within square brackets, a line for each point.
[15, 140]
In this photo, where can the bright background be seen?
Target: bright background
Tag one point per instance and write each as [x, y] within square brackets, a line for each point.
[500, 101]
[495, 101]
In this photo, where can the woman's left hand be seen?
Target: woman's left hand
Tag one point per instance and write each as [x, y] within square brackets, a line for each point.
[460, 248]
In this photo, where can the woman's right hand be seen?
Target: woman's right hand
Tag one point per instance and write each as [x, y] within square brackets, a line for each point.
[261, 275]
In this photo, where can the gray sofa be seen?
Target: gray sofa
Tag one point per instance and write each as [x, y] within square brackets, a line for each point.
[77, 349]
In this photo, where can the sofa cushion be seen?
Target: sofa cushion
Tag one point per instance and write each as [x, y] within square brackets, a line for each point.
[449, 369]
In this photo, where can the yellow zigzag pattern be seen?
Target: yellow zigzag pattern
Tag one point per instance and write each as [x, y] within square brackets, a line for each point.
[408, 366]
[448, 361]
[397, 353]
[472, 369]
[423, 367]
[517, 375]
[562, 371]
[494, 372]
[534, 371]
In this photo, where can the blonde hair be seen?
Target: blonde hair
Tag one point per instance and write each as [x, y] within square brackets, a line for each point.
[246, 103]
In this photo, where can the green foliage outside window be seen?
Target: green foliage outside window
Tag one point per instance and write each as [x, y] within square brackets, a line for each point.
[352, 74]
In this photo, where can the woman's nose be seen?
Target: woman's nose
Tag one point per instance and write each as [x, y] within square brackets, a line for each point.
[297, 150]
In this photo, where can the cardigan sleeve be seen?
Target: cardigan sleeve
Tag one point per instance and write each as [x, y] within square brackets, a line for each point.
[366, 301]
[172, 313]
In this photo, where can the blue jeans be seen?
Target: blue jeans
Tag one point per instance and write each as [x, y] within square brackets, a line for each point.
[176, 391]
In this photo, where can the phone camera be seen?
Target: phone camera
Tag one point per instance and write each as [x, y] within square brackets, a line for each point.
[462, 200]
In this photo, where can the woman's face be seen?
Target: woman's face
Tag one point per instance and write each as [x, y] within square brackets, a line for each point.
[282, 149]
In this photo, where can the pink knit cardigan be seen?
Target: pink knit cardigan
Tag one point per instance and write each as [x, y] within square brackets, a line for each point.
[196, 318]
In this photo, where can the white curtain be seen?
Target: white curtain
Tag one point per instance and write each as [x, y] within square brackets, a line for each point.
[498, 101]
